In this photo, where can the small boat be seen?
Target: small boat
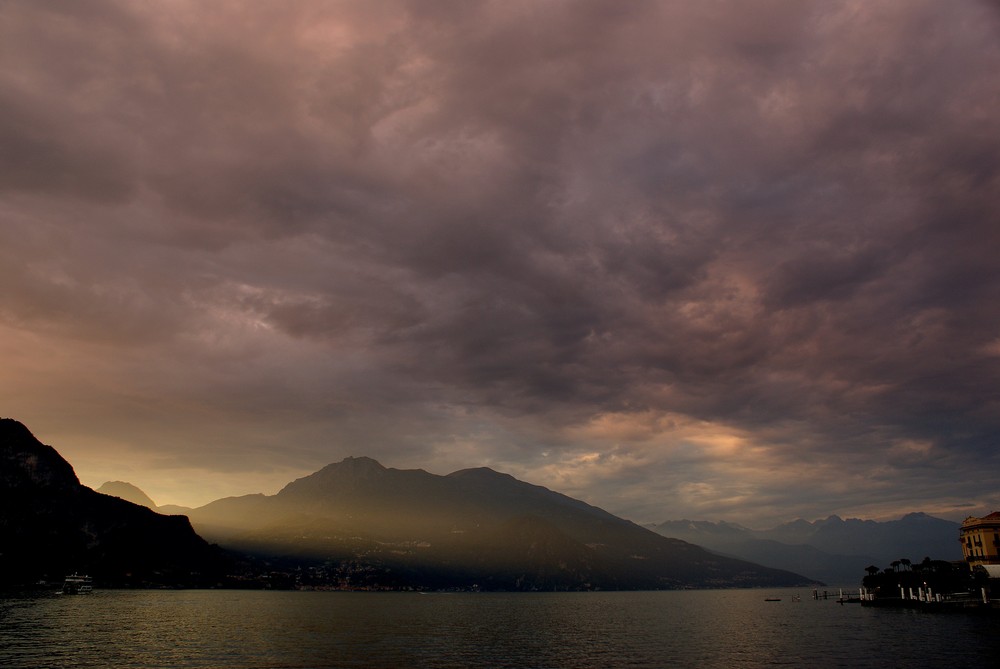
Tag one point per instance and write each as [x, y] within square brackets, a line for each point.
[77, 584]
[772, 599]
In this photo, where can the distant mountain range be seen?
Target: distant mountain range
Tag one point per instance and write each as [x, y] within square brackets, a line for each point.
[832, 550]
[51, 525]
[358, 523]
[475, 528]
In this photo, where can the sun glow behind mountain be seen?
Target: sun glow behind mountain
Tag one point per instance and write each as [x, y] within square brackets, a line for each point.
[675, 259]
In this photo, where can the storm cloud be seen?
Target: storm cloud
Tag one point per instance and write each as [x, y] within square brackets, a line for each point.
[710, 260]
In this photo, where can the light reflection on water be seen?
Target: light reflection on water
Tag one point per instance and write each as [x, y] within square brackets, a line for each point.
[220, 629]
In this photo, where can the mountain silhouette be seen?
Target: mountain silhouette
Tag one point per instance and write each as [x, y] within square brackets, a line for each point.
[51, 525]
[128, 492]
[833, 550]
[915, 534]
[472, 528]
[475, 528]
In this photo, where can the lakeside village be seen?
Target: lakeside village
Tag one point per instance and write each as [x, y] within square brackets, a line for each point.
[972, 584]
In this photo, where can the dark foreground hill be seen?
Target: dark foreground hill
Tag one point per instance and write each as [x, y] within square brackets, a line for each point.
[51, 525]
[475, 528]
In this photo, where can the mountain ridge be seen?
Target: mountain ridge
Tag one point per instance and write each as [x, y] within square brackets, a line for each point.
[831, 549]
[51, 524]
[351, 524]
[359, 493]
[128, 492]
[475, 527]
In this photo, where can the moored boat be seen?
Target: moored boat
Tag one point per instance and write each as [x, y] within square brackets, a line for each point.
[77, 584]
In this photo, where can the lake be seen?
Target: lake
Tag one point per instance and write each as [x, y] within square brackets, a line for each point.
[262, 629]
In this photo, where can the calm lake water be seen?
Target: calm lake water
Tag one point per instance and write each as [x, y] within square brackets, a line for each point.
[219, 629]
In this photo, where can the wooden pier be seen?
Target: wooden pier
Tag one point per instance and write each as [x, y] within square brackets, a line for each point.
[840, 596]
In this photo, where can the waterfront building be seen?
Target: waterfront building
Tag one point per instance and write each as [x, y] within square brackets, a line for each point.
[980, 539]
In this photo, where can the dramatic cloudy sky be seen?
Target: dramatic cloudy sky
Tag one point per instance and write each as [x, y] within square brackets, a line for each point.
[710, 260]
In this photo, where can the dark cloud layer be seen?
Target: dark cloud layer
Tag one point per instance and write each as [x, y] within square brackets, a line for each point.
[705, 259]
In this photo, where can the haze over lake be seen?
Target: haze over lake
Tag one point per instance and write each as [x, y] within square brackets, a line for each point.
[319, 630]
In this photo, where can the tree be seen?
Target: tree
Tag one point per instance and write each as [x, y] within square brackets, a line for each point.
[895, 565]
[871, 569]
[905, 562]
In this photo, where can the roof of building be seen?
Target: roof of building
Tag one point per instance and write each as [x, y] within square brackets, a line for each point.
[972, 520]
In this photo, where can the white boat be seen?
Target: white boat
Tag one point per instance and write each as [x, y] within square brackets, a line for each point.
[77, 584]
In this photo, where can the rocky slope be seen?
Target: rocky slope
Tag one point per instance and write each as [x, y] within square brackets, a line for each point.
[51, 525]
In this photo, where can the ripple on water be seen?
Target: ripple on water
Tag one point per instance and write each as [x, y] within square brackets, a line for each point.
[223, 629]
